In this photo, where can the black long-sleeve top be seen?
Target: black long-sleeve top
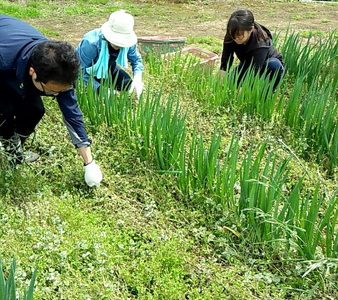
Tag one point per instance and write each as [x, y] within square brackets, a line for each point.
[255, 51]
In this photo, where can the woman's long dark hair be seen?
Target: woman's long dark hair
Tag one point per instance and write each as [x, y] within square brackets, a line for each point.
[243, 20]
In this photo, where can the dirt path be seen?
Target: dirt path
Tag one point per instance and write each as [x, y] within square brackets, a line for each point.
[202, 19]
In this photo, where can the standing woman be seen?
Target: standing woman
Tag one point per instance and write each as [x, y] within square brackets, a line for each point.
[252, 44]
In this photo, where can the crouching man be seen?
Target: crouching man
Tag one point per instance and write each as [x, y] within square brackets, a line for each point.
[32, 66]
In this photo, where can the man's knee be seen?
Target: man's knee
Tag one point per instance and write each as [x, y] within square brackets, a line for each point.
[39, 112]
[35, 108]
[6, 124]
[29, 116]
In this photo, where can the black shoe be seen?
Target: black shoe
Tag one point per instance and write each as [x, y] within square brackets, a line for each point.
[14, 151]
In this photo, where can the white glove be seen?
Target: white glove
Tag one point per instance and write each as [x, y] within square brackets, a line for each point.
[137, 85]
[93, 174]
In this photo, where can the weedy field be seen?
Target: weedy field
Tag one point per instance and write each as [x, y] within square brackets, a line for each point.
[209, 191]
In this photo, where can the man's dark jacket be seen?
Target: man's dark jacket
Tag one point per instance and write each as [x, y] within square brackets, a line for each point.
[17, 40]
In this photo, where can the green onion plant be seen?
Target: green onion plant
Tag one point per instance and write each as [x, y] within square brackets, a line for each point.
[8, 287]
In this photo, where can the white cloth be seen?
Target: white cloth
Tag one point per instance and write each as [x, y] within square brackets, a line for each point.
[100, 68]
[137, 85]
[93, 174]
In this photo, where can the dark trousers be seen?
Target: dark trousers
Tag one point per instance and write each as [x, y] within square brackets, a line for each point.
[274, 67]
[120, 79]
[19, 114]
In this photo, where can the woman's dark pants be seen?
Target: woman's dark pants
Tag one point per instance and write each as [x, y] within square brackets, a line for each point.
[274, 67]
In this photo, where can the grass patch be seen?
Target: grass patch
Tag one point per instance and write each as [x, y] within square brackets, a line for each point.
[210, 43]
[140, 235]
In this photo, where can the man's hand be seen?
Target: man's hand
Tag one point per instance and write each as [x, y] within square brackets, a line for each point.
[93, 174]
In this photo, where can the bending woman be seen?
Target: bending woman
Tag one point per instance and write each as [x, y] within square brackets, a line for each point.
[106, 52]
[252, 44]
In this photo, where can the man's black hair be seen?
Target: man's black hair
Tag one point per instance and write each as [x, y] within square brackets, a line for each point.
[55, 61]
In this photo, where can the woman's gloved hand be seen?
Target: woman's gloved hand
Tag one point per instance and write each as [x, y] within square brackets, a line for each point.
[137, 85]
[93, 174]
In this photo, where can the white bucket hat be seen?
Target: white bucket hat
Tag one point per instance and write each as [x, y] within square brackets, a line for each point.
[119, 30]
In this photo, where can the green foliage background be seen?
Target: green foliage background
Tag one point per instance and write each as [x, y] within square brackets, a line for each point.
[137, 237]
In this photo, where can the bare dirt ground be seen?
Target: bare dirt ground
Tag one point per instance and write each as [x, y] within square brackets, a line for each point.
[203, 18]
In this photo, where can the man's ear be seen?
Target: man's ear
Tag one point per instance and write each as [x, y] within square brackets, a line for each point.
[32, 72]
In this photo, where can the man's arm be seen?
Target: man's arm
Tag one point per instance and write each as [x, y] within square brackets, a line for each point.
[86, 155]
[73, 119]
